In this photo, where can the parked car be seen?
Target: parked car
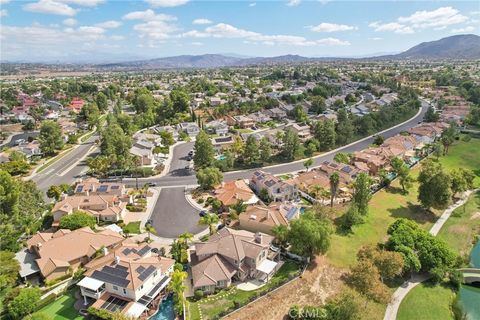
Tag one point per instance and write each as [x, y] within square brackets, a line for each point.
[151, 184]
[190, 154]
[202, 213]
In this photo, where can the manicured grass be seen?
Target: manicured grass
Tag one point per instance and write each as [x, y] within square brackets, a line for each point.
[464, 155]
[213, 305]
[385, 207]
[390, 204]
[132, 227]
[62, 308]
[427, 302]
[463, 225]
[54, 159]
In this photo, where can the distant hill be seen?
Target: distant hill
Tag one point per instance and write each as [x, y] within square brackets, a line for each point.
[465, 46]
[455, 47]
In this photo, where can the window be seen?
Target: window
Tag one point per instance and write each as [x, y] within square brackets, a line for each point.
[124, 291]
[115, 288]
[155, 274]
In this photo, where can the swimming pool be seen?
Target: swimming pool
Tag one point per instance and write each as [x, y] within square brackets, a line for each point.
[166, 311]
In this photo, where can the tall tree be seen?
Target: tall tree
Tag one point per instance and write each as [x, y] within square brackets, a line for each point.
[265, 149]
[334, 182]
[434, 189]
[362, 193]
[447, 138]
[210, 220]
[102, 102]
[308, 163]
[365, 278]
[250, 154]
[402, 171]
[345, 128]
[291, 144]
[309, 235]
[204, 152]
[114, 143]
[50, 137]
[209, 177]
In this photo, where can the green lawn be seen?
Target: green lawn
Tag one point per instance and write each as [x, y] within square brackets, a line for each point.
[463, 225]
[213, 305]
[464, 155]
[62, 308]
[389, 204]
[427, 302]
[132, 227]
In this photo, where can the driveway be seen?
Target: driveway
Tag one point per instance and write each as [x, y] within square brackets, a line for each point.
[179, 160]
[173, 215]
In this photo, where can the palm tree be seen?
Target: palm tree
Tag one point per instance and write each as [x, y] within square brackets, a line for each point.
[150, 229]
[177, 286]
[185, 237]
[239, 207]
[334, 181]
[209, 220]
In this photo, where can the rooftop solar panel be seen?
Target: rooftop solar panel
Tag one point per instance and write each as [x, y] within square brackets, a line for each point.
[115, 187]
[79, 188]
[145, 274]
[110, 278]
[114, 304]
[140, 269]
[144, 250]
[102, 188]
[115, 271]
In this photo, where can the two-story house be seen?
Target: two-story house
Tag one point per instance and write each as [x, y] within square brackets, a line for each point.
[277, 189]
[126, 279]
[231, 255]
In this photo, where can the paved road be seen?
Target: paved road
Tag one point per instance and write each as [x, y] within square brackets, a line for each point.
[178, 177]
[179, 161]
[66, 169]
[23, 135]
[173, 215]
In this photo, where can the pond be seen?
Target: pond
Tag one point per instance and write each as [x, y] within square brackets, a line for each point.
[166, 310]
[470, 295]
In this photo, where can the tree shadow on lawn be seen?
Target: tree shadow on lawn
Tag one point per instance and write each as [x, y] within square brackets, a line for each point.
[414, 212]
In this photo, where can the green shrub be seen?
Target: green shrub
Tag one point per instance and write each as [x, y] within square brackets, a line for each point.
[198, 294]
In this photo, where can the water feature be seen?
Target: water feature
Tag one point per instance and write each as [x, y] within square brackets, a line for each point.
[470, 295]
[166, 310]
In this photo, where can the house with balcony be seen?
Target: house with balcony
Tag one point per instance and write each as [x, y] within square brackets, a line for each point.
[130, 279]
[59, 253]
[231, 255]
[276, 189]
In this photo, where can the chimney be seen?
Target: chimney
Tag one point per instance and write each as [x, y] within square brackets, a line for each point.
[258, 237]
[104, 251]
[117, 260]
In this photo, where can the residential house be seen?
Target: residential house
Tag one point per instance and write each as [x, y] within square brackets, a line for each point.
[76, 104]
[103, 207]
[375, 162]
[242, 121]
[143, 151]
[30, 149]
[128, 279]
[190, 128]
[92, 186]
[276, 113]
[259, 117]
[259, 218]
[231, 255]
[221, 144]
[302, 131]
[218, 127]
[62, 252]
[276, 189]
[230, 192]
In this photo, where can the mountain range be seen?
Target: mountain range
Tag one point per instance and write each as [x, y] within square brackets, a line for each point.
[454, 47]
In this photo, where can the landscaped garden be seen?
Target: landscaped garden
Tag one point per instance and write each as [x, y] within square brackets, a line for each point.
[132, 228]
[226, 300]
[62, 308]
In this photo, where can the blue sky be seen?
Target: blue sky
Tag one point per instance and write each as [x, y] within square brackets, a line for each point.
[103, 30]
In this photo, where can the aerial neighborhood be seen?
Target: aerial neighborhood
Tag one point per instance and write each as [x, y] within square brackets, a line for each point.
[218, 187]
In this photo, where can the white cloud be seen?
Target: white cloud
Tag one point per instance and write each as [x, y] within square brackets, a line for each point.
[117, 38]
[155, 29]
[438, 19]
[39, 42]
[111, 24]
[83, 3]
[70, 22]
[293, 3]
[4, 1]
[3, 13]
[148, 15]
[196, 43]
[443, 16]
[50, 7]
[253, 4]
[392, 27]
[223, 30]
[331, 27]
[463, 30]
[375, 38]
[202, 21]
[166, 3]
